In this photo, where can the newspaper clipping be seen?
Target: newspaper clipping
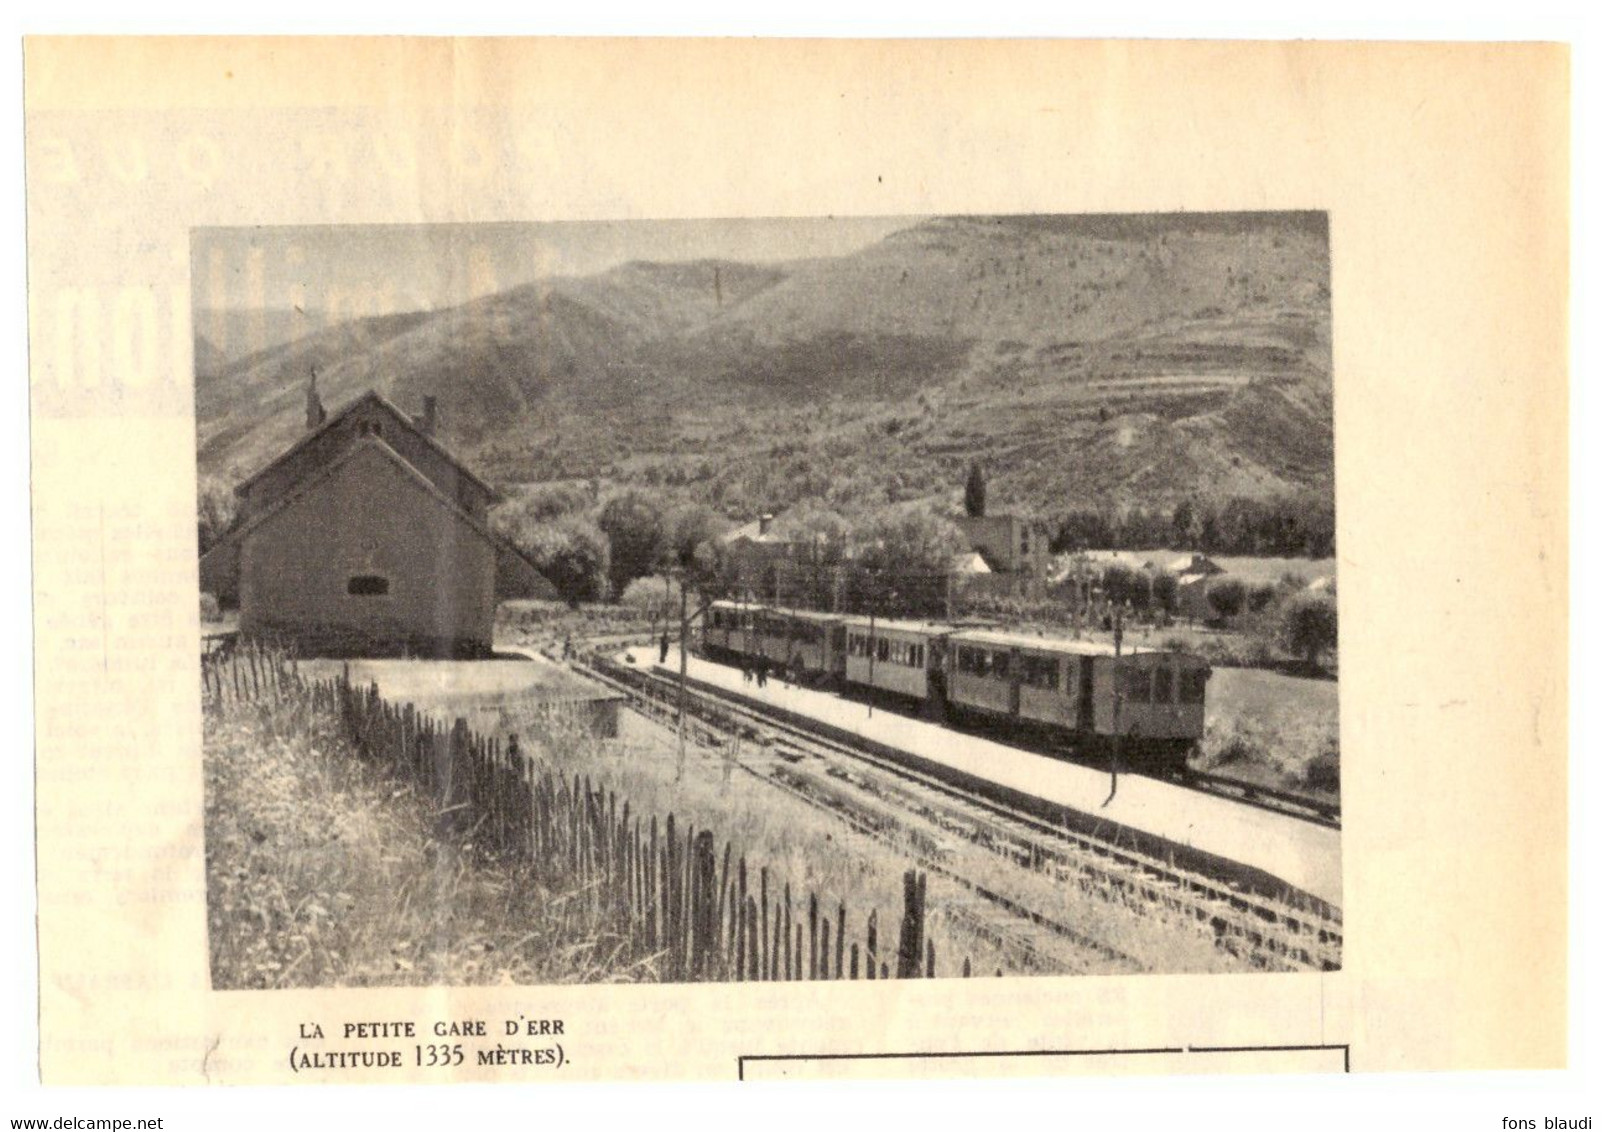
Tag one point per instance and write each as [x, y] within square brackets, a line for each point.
[566, 560]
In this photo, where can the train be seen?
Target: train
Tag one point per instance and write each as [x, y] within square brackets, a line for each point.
[1146, 708]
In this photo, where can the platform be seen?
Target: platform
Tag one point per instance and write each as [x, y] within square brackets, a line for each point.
[1305, 856]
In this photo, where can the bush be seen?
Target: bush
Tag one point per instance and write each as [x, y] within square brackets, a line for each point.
[217, 509]
[546, 502]
[637, 536]
[1260, 597]
[1227, 597]
[1323, 770]
[1308, 627]
[650, 594]
[210, 610]
[571, 552]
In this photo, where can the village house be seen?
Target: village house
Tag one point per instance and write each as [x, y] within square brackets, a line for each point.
[1193, 574]
[367, 537]
[1009, 544]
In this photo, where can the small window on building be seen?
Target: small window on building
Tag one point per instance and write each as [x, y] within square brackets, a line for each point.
[367, 585]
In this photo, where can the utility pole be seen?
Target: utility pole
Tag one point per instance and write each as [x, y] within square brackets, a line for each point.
[873, 644]
[1118, 699]
[684, 665]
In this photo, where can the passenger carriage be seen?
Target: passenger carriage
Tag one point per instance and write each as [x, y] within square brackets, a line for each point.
[728, 630]
[894, 656]
[802, 641]
[1149, 705]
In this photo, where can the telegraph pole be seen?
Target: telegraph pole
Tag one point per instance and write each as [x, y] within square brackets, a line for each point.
[873, 644]
[1118, 699]
[684, 665]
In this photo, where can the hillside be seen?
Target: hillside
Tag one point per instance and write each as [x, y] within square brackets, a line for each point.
[1086, 359]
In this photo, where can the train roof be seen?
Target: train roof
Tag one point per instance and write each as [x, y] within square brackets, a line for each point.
[890, 625]
[805, 614]
[1008, 639]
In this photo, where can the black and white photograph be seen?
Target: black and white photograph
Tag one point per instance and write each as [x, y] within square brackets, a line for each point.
[753, 600]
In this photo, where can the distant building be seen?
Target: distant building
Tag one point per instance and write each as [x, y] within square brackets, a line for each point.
[1193, 576]
[1194, 564]
[969, 563]
[367, 537]
[1010, 544]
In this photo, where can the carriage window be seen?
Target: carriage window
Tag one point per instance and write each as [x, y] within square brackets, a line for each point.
[1193, 686]
[884, 648]
[1162, 691]
[1001, 666]
[367, 585]
[1135, 684]
[1038, 671]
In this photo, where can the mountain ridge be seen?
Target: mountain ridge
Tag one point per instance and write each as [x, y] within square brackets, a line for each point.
[1097, 360]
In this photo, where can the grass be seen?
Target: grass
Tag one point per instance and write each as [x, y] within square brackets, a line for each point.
[817, 850]
[323, 872]
[1280, 731]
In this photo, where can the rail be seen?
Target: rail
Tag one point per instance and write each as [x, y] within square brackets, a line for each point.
[1262, 922]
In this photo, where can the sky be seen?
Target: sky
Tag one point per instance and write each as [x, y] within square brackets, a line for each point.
[356, 270]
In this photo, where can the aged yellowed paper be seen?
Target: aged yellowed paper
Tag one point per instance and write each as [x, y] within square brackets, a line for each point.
[427, 332]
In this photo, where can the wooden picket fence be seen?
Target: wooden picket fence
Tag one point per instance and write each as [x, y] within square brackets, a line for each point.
[662, 889]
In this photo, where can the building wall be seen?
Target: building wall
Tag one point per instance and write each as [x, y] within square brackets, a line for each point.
[423, 456]
[369, 518]
[1011, 543]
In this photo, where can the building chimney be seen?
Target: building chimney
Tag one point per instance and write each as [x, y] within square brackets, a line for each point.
[315, 415]
[430, 415]
[764, 524]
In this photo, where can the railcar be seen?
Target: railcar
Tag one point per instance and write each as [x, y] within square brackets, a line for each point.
[804, 642]
[728, 630]
[808, 643]
[1149, 707]
[895, 656]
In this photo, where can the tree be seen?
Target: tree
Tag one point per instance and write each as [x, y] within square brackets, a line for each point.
[687, 528]
[712, 571]
[1164, 591]
[1227, 597]
[1123, 583]
[973, 495]
[1308, 627]
[821, 538]
[909, 542]
[1184, 523]
[571, 552]
[637, 536]
[908, 553]
[540, 503]
[217, 510]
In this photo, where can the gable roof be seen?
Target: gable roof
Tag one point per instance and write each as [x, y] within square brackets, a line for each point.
[306, 484]
[752, 532]
[371, 397]
[231, 541]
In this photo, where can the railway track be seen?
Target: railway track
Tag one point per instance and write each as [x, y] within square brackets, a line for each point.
[875, 795]
[1319, 811]
[1315, 810]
